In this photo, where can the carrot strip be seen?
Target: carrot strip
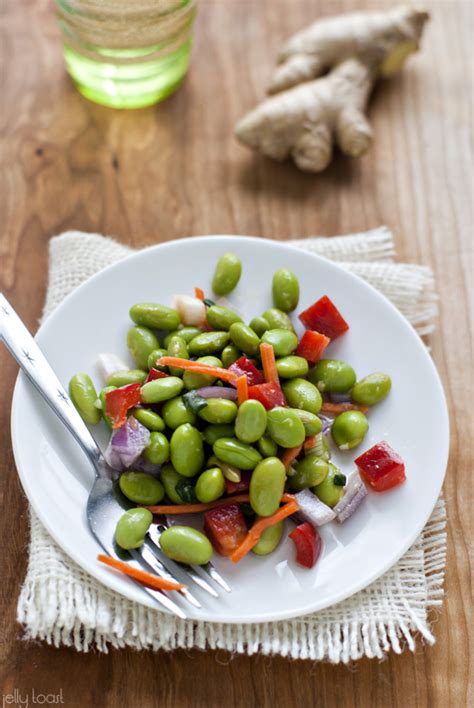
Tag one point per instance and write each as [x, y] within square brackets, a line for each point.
[198, 368]
[242, 389]
[195, 508]
[199, 293]
[310, 442]
[268, 361]
[152, 581]
[257, 529]
[290, 454]
[336, 408]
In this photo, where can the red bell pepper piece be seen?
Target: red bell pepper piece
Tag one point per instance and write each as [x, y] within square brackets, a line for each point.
[324, 317]
[244, 366]
[381, 467]
[155, 374]
[226, 528]
[269, 394]
[311, 346]
[308, 544]
[242, 486]
[119, 401]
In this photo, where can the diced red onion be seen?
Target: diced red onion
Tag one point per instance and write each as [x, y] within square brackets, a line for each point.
[340, 397]
[191, 310]
[327, 422]
[142, 465]
[127, 444]
[354, 493]
[108, 364]
[313, 509]
[217, 392]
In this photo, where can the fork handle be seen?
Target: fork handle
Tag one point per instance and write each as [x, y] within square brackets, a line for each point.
[29, 356]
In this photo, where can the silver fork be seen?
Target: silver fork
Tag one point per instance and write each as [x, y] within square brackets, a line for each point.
[105, 503]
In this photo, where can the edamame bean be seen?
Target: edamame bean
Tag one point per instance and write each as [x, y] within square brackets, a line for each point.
[285, 290]
[175, 413]
[149, 419]
[302, 394]
[251, 421]
[327, 490]
[230, 472]
[192, 380]
[153, 359]
[290, 367]
[312, 424]
[107, 419]
[158, 449]
[123, 378]
[161, 389]
[221, 317]
[269, 539]
[210, 485]
[187, 453]
[282, 340]
[372, 389]
[208, 343]
[141, 342]
[150, 314]
[309, 471]
[236, 453]
[215, 432]
[349, 429]
[259, 325]
[177, 347]
[186, 545]
[218, 411]
[332, 376]
[277, 319]
[267, 485]
[227, 274]
[187, 333]
[229, 354]
[244, 338]
[267, 446]
[170, 478]
[285, 427]
[84, 396]
[132, 527]
[141, 488]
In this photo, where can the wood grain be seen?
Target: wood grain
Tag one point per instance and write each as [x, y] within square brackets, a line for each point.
[175, 170]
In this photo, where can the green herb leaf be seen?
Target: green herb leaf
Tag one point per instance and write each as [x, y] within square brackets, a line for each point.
[194, 401]
[185, 489]
[340, 480]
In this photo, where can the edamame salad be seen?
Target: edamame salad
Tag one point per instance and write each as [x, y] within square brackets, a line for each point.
[235, 421]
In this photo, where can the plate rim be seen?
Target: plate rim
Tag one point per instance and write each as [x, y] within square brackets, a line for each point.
[95, 571]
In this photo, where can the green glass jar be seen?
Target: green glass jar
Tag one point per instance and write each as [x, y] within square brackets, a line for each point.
[126, 53]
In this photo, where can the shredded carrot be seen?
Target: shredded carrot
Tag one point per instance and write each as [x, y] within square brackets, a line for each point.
[198, 368]
[149, 579]
[268, 362]
[199, 293]
[257, 529]
[195, 508]
[290, 454]
[310, 442]
[242, 389]
[336, 408]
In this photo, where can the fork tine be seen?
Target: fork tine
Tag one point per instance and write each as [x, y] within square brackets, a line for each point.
[154, 544]
[210, 570]
[155, 594]
[147, 558]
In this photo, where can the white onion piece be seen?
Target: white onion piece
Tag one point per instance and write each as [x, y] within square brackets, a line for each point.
[108, 364]
[354, 494]
[313, 509]
[191, 310]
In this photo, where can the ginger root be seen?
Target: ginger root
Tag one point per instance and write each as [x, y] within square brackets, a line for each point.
[307, 114]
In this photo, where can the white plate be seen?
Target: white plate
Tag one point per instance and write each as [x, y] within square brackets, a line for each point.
[94, 318]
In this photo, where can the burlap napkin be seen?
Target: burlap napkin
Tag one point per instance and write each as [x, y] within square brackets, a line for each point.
[63, 605]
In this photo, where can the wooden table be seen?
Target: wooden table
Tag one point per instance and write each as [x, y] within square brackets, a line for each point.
[175, 170]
